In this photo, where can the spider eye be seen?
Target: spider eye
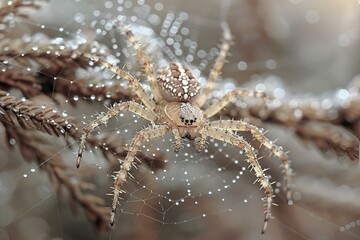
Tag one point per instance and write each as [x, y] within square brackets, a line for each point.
[177, 83]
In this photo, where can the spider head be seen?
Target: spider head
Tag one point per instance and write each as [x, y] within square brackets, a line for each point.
[177, 83]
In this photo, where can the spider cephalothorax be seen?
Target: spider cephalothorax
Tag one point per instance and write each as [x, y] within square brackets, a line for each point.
[176, 106]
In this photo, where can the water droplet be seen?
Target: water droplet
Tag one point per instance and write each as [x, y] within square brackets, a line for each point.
[342, 94]
[32, 169]
[242, 66]
[25, 175]
[12, 141]
[79, 17]
[271, 64]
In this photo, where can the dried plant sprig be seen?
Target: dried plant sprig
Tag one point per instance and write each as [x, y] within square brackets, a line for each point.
[53, 68]
[12, 10]
[30, 115]
[28, 84]
[35, 147]
[329, 137]
[46, 57]
[322, 126]
[91, 88]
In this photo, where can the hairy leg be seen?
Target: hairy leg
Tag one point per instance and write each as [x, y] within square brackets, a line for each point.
[147, 65]
[103, 119]
[259, 135]
[221, 103]
[216, 69]
[178, 144]
[200, 142]
[134, 83]
[229, 137]
[151, 132]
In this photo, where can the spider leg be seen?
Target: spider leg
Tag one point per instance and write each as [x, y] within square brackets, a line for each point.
[259, 135]
[218, 65]
[148, 67]
[218, 105]
[229, 137]
[112, 112]
[134, 83]
[200, 142]
[178, 144]
[148, 133]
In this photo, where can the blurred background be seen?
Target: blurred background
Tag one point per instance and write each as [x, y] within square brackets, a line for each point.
[304, 52]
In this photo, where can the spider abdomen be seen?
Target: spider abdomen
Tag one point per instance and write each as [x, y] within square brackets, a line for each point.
[177, 83]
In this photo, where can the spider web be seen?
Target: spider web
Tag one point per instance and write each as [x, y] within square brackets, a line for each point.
[187, 195]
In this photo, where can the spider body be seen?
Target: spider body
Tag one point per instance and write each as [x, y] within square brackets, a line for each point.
[176, 106]
[178, 109]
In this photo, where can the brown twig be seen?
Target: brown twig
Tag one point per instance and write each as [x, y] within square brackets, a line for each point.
[43, 56]
[29, 115]
[334, 128]
[35, 147]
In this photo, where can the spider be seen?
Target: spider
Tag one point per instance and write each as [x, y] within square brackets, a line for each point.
[176, 106]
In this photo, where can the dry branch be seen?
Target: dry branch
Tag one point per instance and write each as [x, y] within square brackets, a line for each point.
[29, 115]
[334, 128]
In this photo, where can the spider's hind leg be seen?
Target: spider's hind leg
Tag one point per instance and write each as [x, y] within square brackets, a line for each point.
[229, 137]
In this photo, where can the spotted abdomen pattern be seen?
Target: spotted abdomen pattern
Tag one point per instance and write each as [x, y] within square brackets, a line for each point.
[177, 83]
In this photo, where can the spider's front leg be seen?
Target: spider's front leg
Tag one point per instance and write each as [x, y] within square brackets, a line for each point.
[112, 112]
[147, 65]
[178, 144]
[218, 65]
[259, 135]
[221, 103]
[148, 133]
[229, 137]
[134, 83]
